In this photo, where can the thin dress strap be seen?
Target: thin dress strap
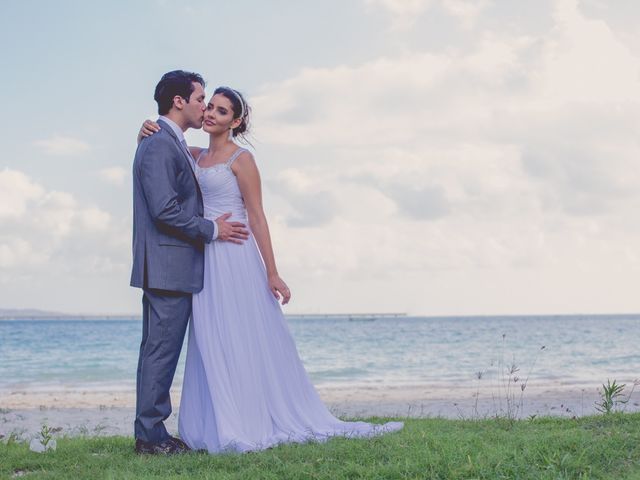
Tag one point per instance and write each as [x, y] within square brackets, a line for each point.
[200, 156]
[235, 155]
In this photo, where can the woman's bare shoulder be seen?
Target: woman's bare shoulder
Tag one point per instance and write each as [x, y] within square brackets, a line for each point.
[245, 157]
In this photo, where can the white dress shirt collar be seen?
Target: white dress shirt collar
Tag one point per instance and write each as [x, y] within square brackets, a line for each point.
[174, 126]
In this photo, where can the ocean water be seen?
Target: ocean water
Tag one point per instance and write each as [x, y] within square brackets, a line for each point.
[450, 351]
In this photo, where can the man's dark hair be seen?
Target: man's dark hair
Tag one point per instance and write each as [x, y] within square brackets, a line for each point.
[175, 83]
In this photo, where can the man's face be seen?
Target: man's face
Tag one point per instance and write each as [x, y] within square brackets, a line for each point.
[194, 110]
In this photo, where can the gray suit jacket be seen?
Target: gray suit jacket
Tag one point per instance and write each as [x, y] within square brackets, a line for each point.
[169, 230]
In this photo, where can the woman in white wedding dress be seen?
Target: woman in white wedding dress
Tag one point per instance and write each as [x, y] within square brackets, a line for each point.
[245, 387]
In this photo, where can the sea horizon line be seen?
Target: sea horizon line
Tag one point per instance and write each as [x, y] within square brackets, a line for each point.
[30, 314]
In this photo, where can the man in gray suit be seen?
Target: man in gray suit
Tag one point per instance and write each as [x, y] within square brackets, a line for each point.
[169, 233]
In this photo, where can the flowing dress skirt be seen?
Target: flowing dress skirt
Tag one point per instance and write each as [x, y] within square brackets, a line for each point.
[245, 387]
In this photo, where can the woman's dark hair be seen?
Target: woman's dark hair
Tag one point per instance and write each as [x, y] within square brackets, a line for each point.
[240, 109]
[175, 83]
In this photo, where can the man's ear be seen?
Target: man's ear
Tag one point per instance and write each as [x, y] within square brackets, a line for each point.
[178, 102]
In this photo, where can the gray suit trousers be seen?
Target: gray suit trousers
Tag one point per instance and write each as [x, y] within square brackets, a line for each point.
[165, 315]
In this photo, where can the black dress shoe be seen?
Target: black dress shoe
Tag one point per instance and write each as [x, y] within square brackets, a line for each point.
[170, 446]
[179, 443]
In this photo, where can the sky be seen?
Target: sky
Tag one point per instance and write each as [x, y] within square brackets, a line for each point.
[433, 157]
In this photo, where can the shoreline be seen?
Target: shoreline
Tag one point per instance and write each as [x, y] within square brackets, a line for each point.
[332, 394]
[99, 413]
[123, 396]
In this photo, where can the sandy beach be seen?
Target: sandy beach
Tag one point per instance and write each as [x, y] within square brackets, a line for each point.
[77, 412]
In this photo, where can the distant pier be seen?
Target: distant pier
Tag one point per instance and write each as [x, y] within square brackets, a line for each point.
[348, 316]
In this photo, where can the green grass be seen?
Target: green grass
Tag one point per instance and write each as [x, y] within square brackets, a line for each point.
[554, 448]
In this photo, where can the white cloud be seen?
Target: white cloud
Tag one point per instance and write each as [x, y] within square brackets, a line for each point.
[61, 145]
[18, 253]
[517, 155]
[49, 231]
[403, 12]
[309, 203]
[465, 10]
[483, 159]
[114, 175]
[16, 191]
[584, 61]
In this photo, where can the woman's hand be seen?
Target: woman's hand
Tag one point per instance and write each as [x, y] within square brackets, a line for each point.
[279, 289]
[148, 128]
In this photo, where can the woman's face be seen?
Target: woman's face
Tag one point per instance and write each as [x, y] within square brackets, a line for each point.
[218, 117]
